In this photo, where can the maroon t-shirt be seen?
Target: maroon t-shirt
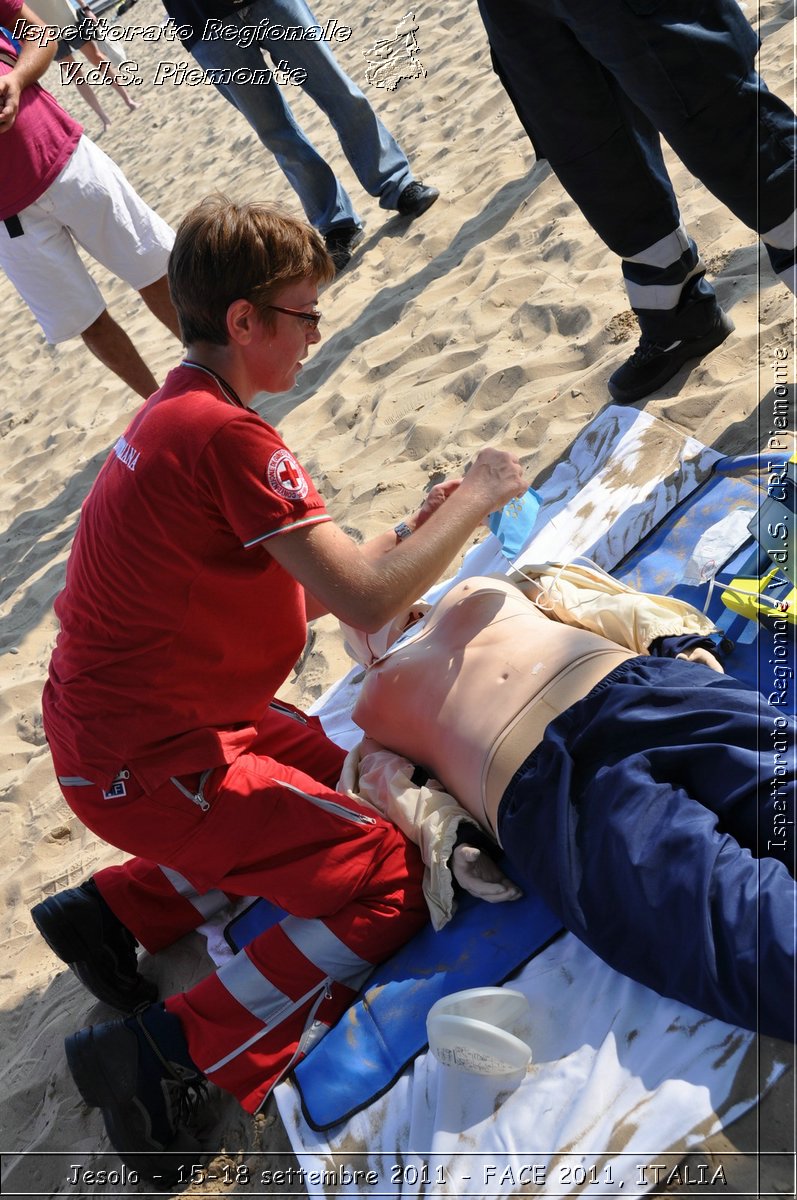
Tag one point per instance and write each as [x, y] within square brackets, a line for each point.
[41, 141]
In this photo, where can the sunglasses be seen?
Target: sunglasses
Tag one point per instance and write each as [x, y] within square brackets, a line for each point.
[311, 317]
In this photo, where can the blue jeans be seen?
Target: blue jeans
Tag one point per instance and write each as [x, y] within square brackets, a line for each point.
[375, 157]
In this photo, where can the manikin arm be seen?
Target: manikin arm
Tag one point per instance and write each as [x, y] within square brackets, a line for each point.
[478, 873]
[701, 654]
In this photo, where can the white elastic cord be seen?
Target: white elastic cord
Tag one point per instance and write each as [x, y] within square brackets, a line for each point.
[579, 560]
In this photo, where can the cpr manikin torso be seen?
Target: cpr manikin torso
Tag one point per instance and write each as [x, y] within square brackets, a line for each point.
[469, 695]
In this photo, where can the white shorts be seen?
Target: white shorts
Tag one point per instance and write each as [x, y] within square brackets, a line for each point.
[92, 203]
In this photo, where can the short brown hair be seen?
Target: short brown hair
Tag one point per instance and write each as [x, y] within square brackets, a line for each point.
[225, 251]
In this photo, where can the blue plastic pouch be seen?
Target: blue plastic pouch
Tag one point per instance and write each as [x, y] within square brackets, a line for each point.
[513, 523]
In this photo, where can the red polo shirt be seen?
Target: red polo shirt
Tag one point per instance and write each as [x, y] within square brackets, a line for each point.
[177, 625]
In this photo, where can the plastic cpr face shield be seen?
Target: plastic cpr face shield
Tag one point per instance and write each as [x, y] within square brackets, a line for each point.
[471, 1030]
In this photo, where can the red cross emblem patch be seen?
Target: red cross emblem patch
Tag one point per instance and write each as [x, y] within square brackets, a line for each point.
[285, 476]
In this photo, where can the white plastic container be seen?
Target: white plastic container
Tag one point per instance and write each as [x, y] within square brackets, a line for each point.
[471, 1030]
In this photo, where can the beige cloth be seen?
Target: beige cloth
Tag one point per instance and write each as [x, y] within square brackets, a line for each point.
[584, 596]
[427, 815]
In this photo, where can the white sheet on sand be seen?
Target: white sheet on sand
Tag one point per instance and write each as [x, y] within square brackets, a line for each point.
[622, 1082]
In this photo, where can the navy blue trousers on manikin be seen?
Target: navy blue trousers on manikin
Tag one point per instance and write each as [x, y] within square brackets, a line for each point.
[656, 819]
[594, 86]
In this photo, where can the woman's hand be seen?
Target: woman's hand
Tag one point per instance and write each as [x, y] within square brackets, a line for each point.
[497, 476]
[497, 473]
[434, 499]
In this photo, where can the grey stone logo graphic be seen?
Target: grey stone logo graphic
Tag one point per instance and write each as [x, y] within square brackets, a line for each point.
[394, 60]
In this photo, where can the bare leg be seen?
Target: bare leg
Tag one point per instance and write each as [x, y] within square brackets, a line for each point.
[95, 56]
[158, 301]
[111, 345]
[88, 93]
[122, 90]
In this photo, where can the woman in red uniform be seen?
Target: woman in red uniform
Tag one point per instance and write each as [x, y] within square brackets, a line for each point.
[202, 550]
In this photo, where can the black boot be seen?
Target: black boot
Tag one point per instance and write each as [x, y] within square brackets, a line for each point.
[652, 364]
[669, 339]
[80, 928]
[152, 1096]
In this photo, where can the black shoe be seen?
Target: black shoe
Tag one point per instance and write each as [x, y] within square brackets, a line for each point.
[340, 243]
[139, 1072]
[652, 365]
[80, 928]
[416, 198]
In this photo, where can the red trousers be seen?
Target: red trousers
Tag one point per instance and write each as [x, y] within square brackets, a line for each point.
[271, 825]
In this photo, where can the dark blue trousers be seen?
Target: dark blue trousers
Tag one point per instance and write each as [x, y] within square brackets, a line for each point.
[657, 821]
[596, 84]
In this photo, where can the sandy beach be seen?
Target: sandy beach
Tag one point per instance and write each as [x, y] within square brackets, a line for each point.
[496, 317]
